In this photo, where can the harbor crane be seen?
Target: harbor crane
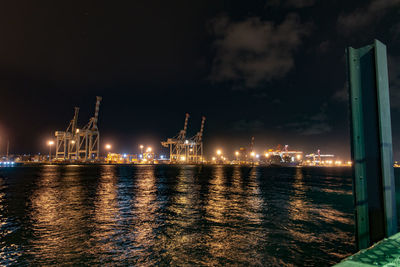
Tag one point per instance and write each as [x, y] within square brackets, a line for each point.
[79, 144]
[182, 150]
[195, 145]
[177, 148]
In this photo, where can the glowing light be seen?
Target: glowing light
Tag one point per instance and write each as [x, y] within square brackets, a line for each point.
[252, 154]
[186, 141]
[73, 142]
[213, 158]
[183, 158]
[298, 157]
[237, 153]
[267, 155]
[149, 149]
[50, 143]
[219, 152]
[77, 130]
[108, 146]
[141, 146]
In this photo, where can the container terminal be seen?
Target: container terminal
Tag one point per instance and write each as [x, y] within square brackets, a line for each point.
[82, 145]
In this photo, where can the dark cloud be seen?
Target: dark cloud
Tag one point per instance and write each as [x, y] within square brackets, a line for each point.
[252, 51]
[316, 128]
[362, 17]
[342, 95]
[324, 46]
[260, 95]
[395, 31]
[311, 125]
[248, 125]
[394, 81]
[291, 3]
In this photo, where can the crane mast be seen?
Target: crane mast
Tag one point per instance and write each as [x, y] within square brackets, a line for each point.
[195, 145]
[176, 145]
[79, 144]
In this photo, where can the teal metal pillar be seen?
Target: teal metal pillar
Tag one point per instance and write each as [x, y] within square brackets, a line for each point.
[371, 140]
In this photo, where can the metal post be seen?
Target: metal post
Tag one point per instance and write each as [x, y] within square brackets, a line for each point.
[8, 148]
[373, 181]
[49, 153]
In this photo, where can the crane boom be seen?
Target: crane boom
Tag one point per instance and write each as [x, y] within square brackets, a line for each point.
[182, 133]
[96, 112]
[200, 134]
[75, 121]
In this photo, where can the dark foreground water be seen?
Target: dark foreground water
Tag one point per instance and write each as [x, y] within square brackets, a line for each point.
[175, 215]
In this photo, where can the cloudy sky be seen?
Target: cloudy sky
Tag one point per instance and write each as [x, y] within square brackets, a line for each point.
[272, 69]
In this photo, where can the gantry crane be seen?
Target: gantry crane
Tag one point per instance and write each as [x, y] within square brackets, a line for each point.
[79, 144]
[177, 147]
[195, 145]
[89, 137]
[65, 140]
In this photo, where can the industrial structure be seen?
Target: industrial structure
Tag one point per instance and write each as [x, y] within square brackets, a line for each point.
[186, 150]
[318, 159]
[79, 144]
[284, 156]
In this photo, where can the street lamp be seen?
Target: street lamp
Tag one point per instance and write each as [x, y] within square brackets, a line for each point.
[219, 152]
[148, 149]
[50, 143]
[237, 155]
[108, 147]
[141, 149]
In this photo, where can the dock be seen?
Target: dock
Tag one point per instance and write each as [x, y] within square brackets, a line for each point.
[385, 253]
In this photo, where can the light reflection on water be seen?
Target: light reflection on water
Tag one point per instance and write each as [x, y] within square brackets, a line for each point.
[175, 215]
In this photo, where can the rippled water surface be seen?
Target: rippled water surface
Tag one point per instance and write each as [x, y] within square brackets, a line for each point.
[175, 215]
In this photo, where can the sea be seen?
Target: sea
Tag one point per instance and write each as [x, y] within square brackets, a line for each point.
[175, 215]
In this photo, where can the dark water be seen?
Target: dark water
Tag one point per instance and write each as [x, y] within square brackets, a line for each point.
[175, 215]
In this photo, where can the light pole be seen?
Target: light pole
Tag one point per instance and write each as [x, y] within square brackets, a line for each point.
[237, 155]
[107, 147]
[219, 153]
[50, 143]
[252, 154]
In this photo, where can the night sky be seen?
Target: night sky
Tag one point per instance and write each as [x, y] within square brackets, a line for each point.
[270, 69]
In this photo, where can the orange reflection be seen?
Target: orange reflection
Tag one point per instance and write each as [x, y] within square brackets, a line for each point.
[145, 206]
[105, 211]
[234, 210]
[300, 211]
[298, 206]
[185, 214]
[57, 212]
